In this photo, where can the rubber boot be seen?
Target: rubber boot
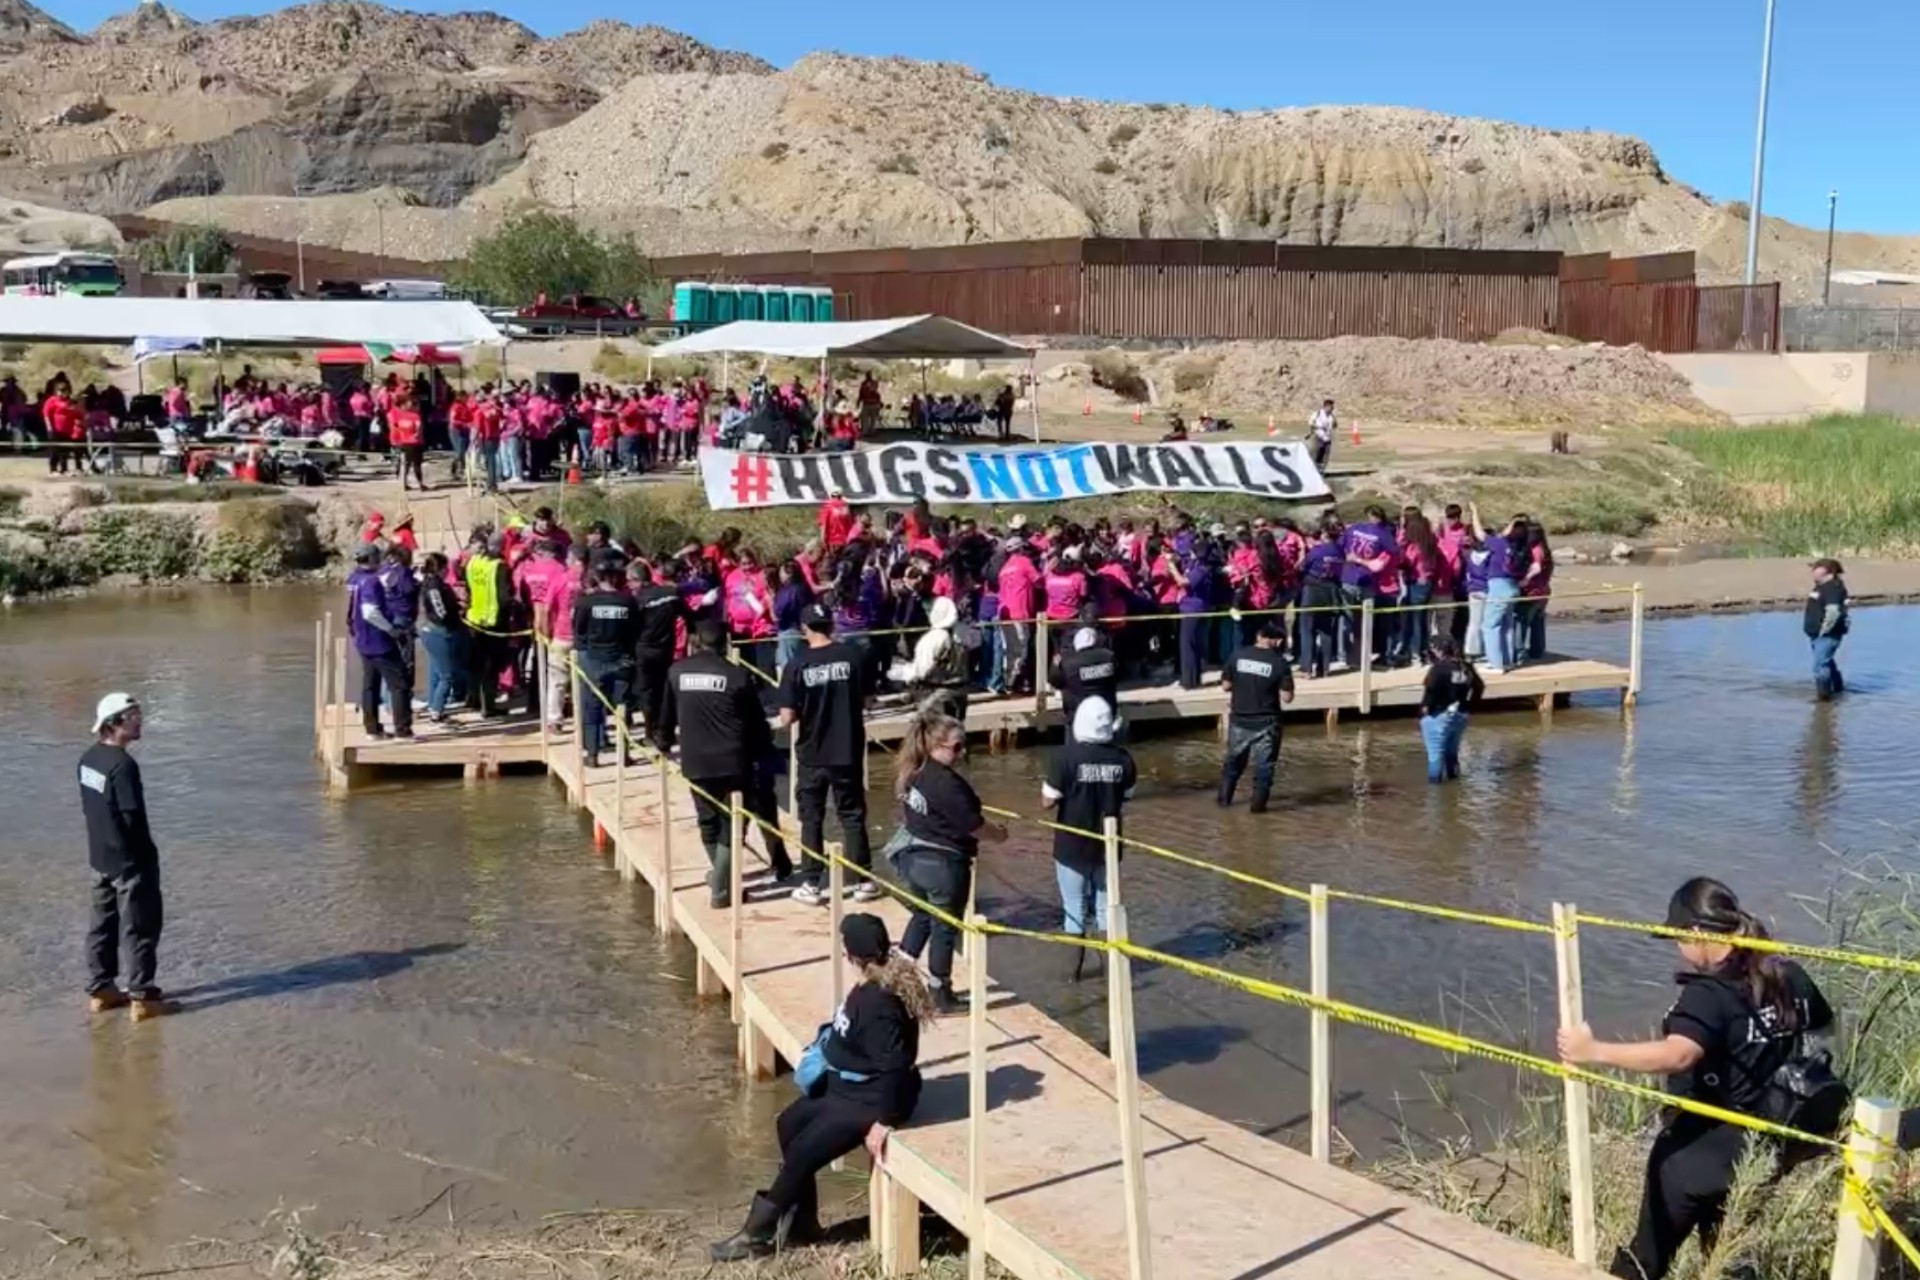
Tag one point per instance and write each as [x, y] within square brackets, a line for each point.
[1259, 800]
[719, 886]
[946, 1001]
[758, 1238]
[801, 1224]
[1839, 681]
[1224, 796]
[1823, 688]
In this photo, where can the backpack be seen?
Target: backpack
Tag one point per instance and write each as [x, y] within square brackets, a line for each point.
[1804, 1093]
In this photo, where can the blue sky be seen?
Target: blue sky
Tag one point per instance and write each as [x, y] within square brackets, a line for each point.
[1683, 74]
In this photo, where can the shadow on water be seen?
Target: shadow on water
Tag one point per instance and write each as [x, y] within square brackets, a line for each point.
[1190, 1045]
[310, 975]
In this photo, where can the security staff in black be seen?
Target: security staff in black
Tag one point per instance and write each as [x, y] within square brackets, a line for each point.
[605, 626]
[823, 695]
[661, 608]
[726, 747]
[1259, 681]
[1088, 670]
[126, 866]
[1741, 1016]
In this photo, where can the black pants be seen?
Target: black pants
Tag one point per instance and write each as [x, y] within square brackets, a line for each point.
[814, 1132]
[387, 669]
[1319, 627]
[612, 679]
[1689, 1173]
[1193, 649]
[756, 792]
[1258, 743]
[849, 787]
[486, 656]
[412, 463]
[125, 906]
[943, 880]
[650, 688]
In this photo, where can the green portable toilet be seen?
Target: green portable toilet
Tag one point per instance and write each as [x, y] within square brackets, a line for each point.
[726, 304]
[692, 303]
[752, 306]
[773, 302]
[800, 304]
[823, 304]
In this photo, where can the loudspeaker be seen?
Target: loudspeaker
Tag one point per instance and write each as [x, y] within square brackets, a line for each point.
[564, 385]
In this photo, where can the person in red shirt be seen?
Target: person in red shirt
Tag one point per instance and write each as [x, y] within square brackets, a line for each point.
[374, 529]
[486, 434]
[403, 535]
[61, 417]
[836, 522]
[409, 441]
[460, 432]
[631, 419]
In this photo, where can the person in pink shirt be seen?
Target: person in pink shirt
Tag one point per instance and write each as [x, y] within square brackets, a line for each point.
[1065, 585]
[1018, 584]
[557, 621]
[748, 602]
[178, 404]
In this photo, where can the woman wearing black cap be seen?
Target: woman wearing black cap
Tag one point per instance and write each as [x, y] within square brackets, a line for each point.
[1741, 1016]
[871, 1085]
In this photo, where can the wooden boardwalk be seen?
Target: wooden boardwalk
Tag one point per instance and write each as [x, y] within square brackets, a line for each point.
[1221, 1203]
[482, 747]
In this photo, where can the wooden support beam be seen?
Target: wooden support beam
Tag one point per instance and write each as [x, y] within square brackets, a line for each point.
[1586, 1246]
[977, 1099]
[1870, 1155]
[1321, 1051]
[737, 911]
[1124, 1049]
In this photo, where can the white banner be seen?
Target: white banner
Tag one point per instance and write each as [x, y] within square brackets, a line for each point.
[896, 474]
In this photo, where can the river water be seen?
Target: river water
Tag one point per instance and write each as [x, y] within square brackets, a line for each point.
[436, 994]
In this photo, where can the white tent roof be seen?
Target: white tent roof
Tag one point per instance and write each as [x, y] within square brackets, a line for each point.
[245, 321]
[910, 337]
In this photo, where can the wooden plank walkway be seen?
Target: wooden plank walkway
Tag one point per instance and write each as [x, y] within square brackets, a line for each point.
[482, 747]
[1223, 1204]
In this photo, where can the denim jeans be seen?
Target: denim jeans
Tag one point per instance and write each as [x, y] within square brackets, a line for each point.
[613, 680]
[787, 647]
[1410, 638]
[1078, 889]
[510, 458]
[992, 662]
[1471, 642]
[490, 462]
[1442, 734]
[446, 668]
[457, 437]
[942, 880]
[1826, 672]
[1496, 622]
[1256, 743]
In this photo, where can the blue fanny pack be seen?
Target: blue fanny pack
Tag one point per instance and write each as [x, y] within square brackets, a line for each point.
[810, 1073]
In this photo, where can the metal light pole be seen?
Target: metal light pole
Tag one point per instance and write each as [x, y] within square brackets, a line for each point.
[380, 224]
[1826, 283]
[1759, 152]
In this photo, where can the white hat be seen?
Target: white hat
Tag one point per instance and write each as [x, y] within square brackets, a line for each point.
[1018, 522]
[1093, 721]
[1085, 638]
[111, 706]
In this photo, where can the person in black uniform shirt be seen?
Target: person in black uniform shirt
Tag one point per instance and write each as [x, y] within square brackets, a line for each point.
[1740, 1016]
[660, 607]
[870, 1087]
[1259, 681]
[727, 747]
[1452, 685]
[944, 826]
[1088, 780]
[823, 694]
[1087, 670]
[126, 866]
[606, 626]
[1826, 626]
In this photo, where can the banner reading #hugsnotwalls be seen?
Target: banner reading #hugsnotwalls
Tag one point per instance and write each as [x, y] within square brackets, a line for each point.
[896, 474]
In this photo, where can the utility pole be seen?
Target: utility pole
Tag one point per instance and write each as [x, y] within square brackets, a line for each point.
[1826, 283]
[573, 191]
[380, 224]
[1759, 153]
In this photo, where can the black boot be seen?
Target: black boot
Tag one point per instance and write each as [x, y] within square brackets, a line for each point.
[801, 1224]
[1259, 800]
[1224, 796]
[1839, 681]
[1823, 688]
[757, 1239]
[947, 1002]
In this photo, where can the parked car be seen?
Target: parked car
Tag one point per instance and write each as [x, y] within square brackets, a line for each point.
[575, 306]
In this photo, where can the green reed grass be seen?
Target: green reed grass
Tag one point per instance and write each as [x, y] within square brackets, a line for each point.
[1836, 485]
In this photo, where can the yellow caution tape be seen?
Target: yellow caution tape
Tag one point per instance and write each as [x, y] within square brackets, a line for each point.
[1444, 913]
[1836, 955]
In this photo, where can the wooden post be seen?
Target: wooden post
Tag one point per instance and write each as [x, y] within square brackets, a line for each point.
[1365, 702]
[580, 695]
[836, 911]
[737, 912]
[1321, 1053]
[319, 686]
[540, 662]
[1566, 933]
[340, 702]
[663, 887]
[1126, 1067]
[1636, 644]
[621, 862]
[893, 1224]
[976, 1099]
[1870, 1150]
[1040, 665]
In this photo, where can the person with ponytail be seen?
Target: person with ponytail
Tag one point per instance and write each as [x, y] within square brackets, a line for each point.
[942, 826]
[1741, 1016]
[869, 1087]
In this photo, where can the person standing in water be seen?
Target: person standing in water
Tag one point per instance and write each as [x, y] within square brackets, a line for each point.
[1451, 686]
[1740, 1017]
[126, 866]
[1258, 681]
[1088, 780]
[1826, 627]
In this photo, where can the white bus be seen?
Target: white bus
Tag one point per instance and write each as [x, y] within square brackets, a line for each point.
[66, 274]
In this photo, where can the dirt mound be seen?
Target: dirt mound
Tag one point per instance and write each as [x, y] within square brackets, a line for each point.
[1428, 381]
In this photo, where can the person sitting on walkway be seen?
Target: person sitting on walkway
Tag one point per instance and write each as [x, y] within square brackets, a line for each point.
[1088, 781]
[869, 1087]
[727, 749]
[1258, 681]
[943, 825]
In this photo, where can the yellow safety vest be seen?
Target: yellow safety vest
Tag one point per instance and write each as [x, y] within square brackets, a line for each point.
[483, 591]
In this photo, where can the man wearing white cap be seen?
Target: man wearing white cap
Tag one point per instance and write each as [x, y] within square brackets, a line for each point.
[126, 866]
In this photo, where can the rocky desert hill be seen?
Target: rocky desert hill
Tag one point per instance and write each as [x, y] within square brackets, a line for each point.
[311, 116]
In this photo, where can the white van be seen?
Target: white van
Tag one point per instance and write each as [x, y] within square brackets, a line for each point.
[407, 290]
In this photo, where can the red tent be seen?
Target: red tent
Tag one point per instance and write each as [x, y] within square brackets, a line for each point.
[425, 353]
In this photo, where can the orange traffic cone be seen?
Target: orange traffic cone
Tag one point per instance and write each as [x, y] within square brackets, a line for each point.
[573, 474]
[1356, 431]
[1271, 428]
[1136, 415]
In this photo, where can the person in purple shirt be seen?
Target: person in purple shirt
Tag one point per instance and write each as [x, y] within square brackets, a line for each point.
[1201, 568]
[790, 597]
[1503, 591]
[1361, 544]
[377, 640]
[1319, 618]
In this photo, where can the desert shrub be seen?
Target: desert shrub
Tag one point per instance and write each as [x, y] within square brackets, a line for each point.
[1105, 165]
[774, 151]
[149, 545]
[900, 162]
[1122, 134]
[1115, 371]
[617, 364]
[1194, 374]
[260, 541]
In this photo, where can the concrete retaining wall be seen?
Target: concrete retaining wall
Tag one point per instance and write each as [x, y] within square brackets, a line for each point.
[1798, 385]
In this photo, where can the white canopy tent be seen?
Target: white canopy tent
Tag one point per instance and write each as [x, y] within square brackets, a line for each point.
[905, 338]
[245, 322]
